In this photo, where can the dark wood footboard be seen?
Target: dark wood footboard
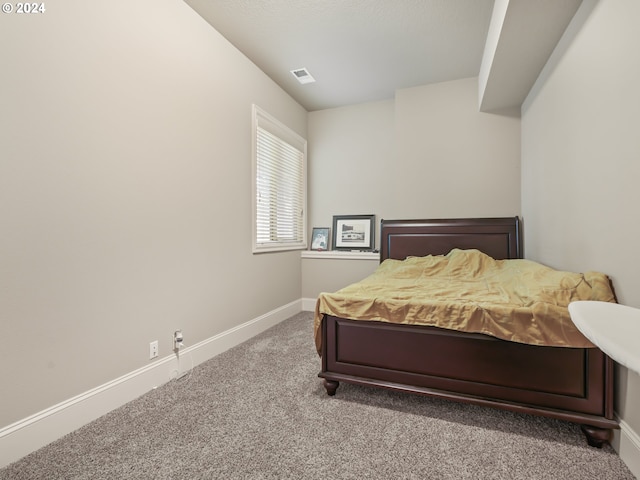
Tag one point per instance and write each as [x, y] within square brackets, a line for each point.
[572, 384]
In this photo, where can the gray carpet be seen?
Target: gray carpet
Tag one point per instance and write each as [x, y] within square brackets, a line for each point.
[258, 411]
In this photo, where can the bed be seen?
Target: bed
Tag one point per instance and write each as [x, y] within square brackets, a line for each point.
[571, 383]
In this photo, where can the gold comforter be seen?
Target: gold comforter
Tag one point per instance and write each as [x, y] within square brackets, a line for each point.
[517, 300]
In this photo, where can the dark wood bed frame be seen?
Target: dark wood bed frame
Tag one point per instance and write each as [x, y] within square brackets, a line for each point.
[571, 384]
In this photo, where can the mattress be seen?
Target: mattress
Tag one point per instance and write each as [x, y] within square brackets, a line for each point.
[516, 300]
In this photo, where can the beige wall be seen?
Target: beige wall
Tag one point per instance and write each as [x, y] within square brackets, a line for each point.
[429, 153]
[330, 274]
[125, 144]
[581, 160]
[452, 160]
[351, 159]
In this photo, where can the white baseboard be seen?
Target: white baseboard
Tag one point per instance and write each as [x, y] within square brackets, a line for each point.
[42, 428]
[309, 304]
[627, 443]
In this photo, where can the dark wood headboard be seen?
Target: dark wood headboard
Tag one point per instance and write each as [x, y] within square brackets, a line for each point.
[499, 238]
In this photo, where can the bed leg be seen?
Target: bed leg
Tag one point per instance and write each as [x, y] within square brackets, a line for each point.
[596, 437]
[331, 386]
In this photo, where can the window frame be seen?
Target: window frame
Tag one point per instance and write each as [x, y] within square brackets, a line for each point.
[262, 119]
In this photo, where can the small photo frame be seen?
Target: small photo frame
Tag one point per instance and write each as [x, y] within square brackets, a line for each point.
[353, 232]
[320, 238]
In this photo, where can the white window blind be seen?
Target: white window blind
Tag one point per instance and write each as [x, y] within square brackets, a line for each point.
[279, 183]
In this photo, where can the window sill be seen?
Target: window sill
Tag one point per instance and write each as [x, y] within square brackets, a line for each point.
[341, 255]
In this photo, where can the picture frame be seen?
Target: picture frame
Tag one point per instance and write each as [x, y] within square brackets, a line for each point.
[320, 238]
[353, 232]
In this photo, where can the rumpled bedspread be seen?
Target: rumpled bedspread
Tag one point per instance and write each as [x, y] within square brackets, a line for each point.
[516, 300]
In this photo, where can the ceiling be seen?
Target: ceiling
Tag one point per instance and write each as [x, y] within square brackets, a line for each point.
[364, 50]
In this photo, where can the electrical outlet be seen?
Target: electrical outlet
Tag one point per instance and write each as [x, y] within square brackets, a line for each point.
[177, 340]
[153, 349]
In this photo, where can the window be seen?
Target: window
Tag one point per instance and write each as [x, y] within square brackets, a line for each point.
[279, 185]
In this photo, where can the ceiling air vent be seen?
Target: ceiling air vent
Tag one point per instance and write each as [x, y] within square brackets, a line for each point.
[303, 75]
